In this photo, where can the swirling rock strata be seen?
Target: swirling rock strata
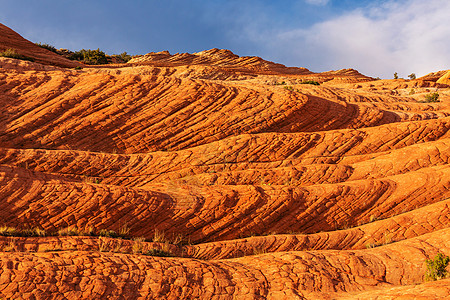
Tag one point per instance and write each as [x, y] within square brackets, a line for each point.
[285, 190]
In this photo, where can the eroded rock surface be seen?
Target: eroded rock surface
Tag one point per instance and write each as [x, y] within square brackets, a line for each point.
[260, 186]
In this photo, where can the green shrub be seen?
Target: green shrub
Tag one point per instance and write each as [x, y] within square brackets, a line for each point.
[289, 88]
[90, 57]
[412, 76]
[432, 97]
[125, 57]
[11, 53]
[47, 46]
[395, 75]
[310, 82]
[436, 269]
[158, 252]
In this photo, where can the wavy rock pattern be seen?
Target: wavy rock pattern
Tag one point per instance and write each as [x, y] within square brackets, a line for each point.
[286, 191]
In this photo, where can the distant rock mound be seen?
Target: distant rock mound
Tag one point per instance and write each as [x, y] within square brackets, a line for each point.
[434, 76]
[226, 60]
[219, 58]
[445, 79]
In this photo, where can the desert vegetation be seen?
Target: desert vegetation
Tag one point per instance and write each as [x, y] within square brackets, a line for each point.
[12, 231]
[432, 97]
[11, 53]
[124, 57]
[47, 46]
[313, 82]
[90, 57]
[437, 267]
[123, 233]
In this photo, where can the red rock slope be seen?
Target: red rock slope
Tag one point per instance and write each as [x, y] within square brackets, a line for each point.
[260, 189]
[9, 39]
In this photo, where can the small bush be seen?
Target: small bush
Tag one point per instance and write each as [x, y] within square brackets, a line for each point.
[124, 231]
[159, 237]
[157, 252]
[412, 76]
[138, 245]
[108, 233]
[8, 231]
[34, 232]
[12, 231]
[88, 231]
[125, 57]
[310, 82]
[47, 46]
[11, 53]
[395, 75]
[432, 97]
[289, 88]
[90, 57]
[436, 269]
[69, 231]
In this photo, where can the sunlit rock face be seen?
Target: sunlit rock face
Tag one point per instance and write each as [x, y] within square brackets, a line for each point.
[261, 181]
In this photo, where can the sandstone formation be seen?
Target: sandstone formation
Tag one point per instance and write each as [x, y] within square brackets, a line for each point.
[260, 186]
[445, 79]
[9, 39]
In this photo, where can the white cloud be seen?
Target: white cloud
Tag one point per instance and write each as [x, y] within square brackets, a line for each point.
[397, 36]
[317, 2]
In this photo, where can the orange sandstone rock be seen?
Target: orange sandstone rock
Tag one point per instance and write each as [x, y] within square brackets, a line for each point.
[287, 190]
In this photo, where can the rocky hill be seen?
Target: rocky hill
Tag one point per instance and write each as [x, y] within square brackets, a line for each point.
[10, 39]
[210, 175]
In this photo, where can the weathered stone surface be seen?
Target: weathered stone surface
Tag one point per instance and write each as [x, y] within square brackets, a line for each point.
[300, 273]
[445, 79]
[286, 190]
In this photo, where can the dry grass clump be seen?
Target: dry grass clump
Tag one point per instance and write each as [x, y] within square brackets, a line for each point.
[109, 240]
[29, 232]
[387, 239]
[138, 245]
[259, 251]
[11, 246]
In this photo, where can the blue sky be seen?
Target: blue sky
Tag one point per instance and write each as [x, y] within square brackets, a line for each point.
[377, 37]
